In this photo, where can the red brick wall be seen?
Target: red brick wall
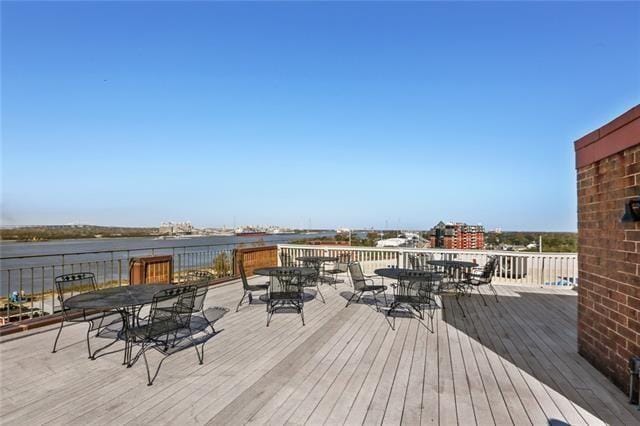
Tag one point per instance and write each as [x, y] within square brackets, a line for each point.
[609, 250]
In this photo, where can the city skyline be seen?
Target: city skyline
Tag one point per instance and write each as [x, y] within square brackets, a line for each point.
[373, 115]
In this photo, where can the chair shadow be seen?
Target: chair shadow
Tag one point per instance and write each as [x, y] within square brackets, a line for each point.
[200, 331]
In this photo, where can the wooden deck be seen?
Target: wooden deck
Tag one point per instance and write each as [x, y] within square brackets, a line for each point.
[512, 362]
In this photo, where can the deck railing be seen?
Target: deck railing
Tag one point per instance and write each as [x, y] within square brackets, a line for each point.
[525, 268]
[30, 278]
[26, 282]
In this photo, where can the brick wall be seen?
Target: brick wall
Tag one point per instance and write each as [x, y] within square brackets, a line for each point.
[608, 173]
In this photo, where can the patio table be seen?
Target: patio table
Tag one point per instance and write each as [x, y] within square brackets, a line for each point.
[304, 271]
[318, 263]
[394, 273]
[451, 269]
[459, 264]
[126, 300]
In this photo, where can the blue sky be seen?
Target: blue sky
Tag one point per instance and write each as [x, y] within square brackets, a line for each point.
[334, 114]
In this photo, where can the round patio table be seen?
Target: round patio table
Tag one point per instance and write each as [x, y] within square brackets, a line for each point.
[452, 264]
[317, 259]
[126, 300]
[305, 272]
[116, 297]
[318, 263]
[395, 273]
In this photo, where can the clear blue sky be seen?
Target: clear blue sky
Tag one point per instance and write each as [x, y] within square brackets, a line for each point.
[355, 114]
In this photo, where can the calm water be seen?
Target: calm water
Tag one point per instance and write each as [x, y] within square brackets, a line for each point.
[80, 251]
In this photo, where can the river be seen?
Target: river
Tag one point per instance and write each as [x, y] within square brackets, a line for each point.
[33, 256]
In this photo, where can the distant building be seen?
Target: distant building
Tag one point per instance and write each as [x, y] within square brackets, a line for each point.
[171, 228]
[457, 236]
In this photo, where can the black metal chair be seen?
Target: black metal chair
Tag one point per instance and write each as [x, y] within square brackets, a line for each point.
[479, 277]
[287, 260]
[248, 288]
[361, 285]
[419, 261]
[285, 292]
[201, 280]
[313, 280]
[170, 313]
[415, 290]
[339, 267]
[67, 285]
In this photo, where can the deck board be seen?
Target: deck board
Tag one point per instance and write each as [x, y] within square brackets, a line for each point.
[513, 362]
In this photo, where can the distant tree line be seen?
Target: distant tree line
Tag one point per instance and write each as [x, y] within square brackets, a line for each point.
[563, 242]
[43, 233]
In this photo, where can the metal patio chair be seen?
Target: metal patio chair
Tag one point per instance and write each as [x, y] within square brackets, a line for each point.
[478, 277]
[248, 288]
[415, 290]
[364, 284]
[285, 292]
[75, 283]
[419, 261]
[166, 318]
[287, 260]
[201, 280]
[339, 267]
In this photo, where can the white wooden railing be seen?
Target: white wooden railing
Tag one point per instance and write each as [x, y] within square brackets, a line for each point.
[525, 268]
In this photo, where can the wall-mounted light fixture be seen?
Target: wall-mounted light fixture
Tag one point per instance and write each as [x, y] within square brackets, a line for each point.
[631, 210]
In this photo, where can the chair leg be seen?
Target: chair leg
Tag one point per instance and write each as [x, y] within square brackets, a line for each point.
[208, 322]
[481, 295]
[241, 300]
[495, 293]
[200, 357]
[88, 342]
[375, 299]
[349, 301]
[146, 364]
[57, 337]
[320, 293]
[100, 325]
[302, 316]
[459, 305]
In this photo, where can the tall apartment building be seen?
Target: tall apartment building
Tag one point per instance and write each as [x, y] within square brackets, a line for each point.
[457, 236]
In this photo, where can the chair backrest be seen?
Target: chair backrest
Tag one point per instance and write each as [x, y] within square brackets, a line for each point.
[342, 265]
[199, 277]
[201, 280]
[357, 277]
[285, 284]
[243, 276]
[168, 308]
[414, 288]
[489, 269]
[286, 259]
[75, 283]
